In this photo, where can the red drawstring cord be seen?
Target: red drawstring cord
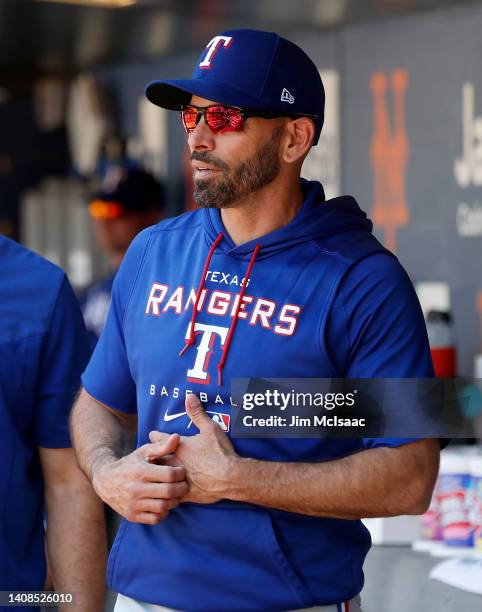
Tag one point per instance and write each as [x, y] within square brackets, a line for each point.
[190, 341]
[235, 318]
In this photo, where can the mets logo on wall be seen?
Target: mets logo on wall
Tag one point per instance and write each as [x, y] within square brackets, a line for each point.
[389, 154]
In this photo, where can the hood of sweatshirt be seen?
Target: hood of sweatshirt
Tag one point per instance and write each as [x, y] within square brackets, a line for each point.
[317, 219]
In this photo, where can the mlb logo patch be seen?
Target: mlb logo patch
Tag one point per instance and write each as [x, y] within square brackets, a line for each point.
[223, 420]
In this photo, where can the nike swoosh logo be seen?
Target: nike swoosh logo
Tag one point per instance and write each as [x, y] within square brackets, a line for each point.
[171, 417]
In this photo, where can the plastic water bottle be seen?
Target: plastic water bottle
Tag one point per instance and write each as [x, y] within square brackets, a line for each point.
[442, 346]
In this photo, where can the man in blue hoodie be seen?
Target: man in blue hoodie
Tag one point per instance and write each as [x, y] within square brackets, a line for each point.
[43, 350]
[266, 280]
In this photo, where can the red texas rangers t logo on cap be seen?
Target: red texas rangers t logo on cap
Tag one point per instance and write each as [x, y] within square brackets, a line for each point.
[214, 45]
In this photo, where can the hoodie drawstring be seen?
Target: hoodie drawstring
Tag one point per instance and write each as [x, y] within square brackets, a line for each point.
[192, 336]
[235, 318]
[190, 341]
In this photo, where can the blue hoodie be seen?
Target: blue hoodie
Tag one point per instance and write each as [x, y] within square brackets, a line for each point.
[322, 298]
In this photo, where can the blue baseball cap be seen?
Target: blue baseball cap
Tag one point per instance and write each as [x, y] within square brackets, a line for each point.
[254, 70]
[133, 189]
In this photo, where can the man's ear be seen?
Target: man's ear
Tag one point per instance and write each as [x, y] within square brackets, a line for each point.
[300, 136]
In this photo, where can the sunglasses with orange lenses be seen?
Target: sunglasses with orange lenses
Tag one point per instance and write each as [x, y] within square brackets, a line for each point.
[102, 209]
[222, 119]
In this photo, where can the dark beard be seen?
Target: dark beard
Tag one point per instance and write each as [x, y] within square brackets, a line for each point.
[248, 177]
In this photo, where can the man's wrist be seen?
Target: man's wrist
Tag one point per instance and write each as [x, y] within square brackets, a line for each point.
[240, 470]
[97, 467]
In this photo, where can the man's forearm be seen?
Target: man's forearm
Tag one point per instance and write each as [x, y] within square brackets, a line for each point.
[97, 434]
[77, 543]
[375, 482]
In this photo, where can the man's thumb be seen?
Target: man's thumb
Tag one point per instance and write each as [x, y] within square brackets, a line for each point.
[196, 412]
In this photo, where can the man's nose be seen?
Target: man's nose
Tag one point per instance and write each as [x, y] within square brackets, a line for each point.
[201, 138]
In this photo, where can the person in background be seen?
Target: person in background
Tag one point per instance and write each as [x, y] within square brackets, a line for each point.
[43, 350]
[130, 199]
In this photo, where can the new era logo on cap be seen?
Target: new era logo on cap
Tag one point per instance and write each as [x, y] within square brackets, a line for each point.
[287, 97]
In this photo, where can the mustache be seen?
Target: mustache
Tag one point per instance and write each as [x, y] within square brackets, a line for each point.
[204, 156]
